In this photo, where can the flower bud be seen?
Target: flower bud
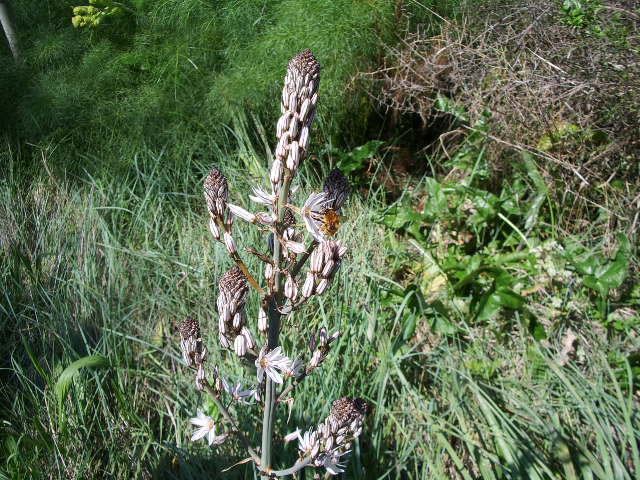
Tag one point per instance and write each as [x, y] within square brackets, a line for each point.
[263, 324]
[230, 243]
[307, 288]
[276, 171]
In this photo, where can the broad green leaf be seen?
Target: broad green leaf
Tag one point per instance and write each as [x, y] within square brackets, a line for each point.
[66, 377]
[508, 298]
[618, 268]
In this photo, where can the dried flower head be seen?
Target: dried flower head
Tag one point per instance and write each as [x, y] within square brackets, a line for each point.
[216, 192]
[231, 302]
[194, 352]
[345, 411]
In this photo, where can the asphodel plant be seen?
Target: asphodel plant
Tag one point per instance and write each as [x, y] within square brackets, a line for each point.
[294, 271]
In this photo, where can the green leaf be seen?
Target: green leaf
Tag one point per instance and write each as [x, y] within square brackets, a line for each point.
[409, 327]
[508, 298]
[355, 160]
[618, 268]
[66, 377]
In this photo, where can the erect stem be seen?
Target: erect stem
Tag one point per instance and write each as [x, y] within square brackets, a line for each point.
[274, 330]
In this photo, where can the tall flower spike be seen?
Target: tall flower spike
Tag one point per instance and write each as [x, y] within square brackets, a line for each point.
[231, 301]
[216, 192]
[299, 98]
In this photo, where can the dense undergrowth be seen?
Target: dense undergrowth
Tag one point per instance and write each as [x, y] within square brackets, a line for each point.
[490, 304]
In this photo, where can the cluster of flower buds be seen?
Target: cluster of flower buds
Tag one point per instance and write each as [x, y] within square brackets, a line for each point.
[320, 346]
[325, 261]
[299, 98]
[193, 350]
[216, 193]
[231, 302]
[332, 439]
[343, 424]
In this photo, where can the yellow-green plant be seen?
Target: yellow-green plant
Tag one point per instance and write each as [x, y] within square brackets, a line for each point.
[94, 14]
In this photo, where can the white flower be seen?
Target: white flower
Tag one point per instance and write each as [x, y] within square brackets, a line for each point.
[332, 462]
[294, 369]
[207, 428]
[308, 443]
[271, 363]
[261, 196]
[312, 214]
[236, 391]
[242, 213]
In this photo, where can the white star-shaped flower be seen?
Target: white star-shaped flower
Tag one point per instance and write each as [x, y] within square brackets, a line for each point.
[270, 363]
[236, 391]
[294, 369]
[308, 443]
[312, 214]
[207, 428]
[332, 462]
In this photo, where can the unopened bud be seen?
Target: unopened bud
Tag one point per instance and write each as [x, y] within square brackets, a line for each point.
[307, 288]
[263, 325]
[276, 172]
[214, 229]
[230, 243]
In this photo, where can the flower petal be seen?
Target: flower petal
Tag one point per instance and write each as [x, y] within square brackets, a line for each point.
[274, 375]
[199, 433]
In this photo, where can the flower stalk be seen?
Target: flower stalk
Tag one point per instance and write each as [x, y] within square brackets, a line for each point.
[286, 288]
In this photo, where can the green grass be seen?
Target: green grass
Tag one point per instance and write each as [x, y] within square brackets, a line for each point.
[110, 266]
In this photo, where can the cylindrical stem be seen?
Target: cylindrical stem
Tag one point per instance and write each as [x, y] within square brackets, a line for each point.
[273, 334]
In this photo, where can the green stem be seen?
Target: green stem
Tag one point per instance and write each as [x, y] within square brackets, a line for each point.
[274, 331]
[299, 465]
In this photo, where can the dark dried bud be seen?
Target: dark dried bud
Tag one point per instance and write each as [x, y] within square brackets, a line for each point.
[313, 342]
[345, 410]
[233, 285]
[190, 328]
[216, 192]
[305, 62]
[337, 188]
[289, 220]
[194, 352]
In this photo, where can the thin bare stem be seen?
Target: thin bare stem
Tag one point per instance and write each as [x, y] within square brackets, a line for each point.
[234, 426]
[299, 465]
[236, 258]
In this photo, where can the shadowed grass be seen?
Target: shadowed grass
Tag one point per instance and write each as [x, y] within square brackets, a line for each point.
[109, 267]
